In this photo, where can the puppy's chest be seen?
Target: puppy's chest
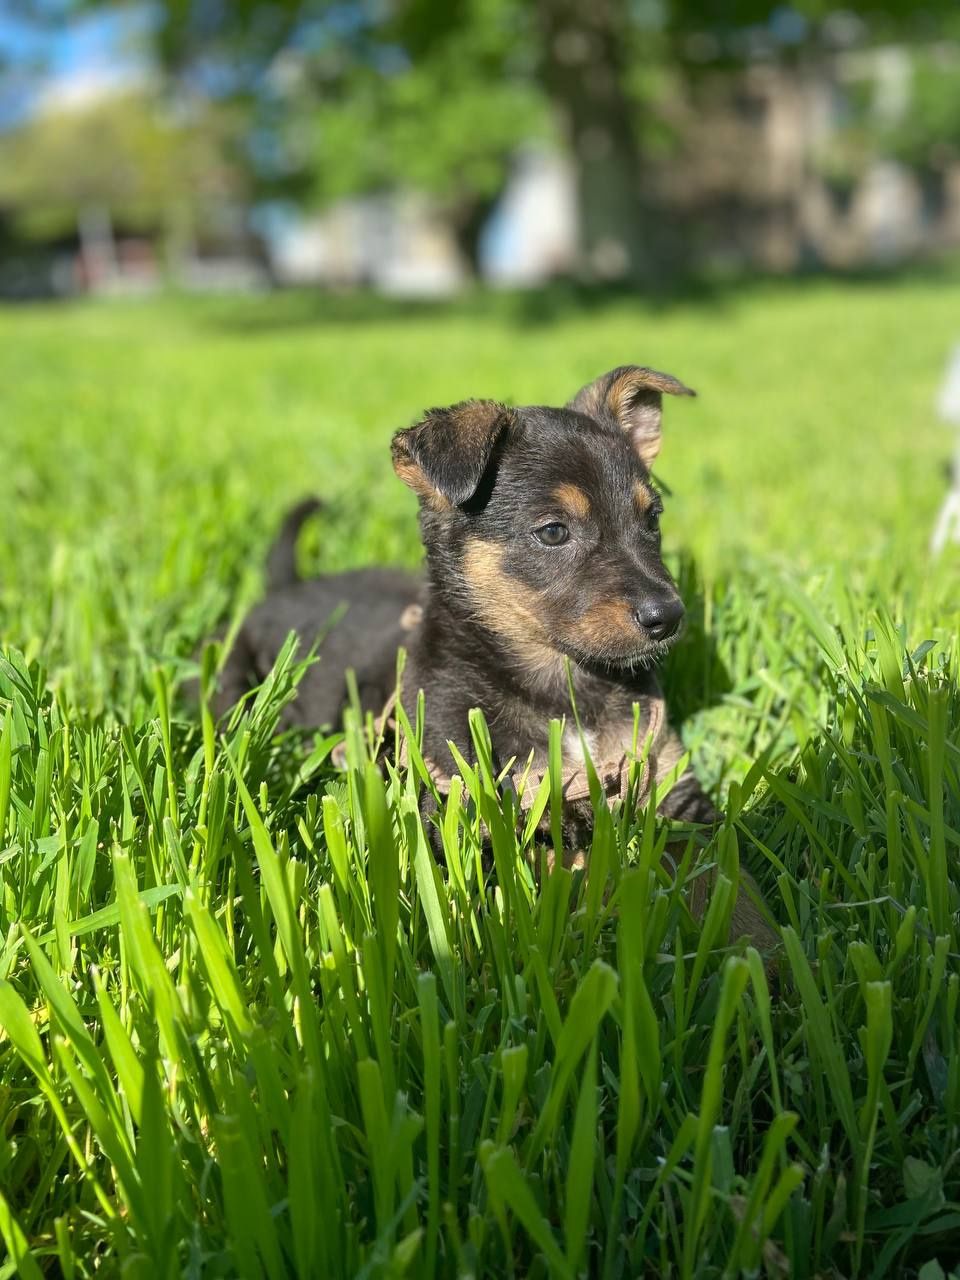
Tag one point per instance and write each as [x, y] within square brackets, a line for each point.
[611, 747]
[576, 745]
[607, 742]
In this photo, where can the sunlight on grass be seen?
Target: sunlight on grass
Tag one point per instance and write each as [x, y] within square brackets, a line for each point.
[250, 1026]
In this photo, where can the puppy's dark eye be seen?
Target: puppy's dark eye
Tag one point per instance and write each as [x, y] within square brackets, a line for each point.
[552, 535]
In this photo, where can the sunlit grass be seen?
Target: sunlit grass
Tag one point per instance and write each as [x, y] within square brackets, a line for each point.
[250, 1026]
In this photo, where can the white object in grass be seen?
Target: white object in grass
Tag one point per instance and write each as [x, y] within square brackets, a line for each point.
[947, 527]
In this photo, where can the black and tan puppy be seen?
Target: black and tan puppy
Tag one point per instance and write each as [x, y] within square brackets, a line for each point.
[542, 538]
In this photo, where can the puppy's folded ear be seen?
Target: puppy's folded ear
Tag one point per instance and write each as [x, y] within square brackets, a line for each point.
[631, 397]
[443, 458]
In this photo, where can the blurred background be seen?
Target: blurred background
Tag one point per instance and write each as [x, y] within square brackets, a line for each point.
[412, 147]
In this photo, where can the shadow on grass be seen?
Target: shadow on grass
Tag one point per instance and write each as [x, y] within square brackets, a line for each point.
[693, 676]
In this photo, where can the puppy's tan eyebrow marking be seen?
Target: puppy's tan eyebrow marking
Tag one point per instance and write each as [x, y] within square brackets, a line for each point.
[642, 498]
[573, 498]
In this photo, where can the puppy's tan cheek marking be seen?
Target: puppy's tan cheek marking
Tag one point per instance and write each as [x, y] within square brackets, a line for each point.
[412, 476]
[482, 569]
[573, 498]
[606, 626]
[506, 605]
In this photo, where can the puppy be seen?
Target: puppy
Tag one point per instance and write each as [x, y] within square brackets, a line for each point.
[542, 535]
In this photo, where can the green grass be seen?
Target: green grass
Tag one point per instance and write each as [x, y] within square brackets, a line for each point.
[248, 1026]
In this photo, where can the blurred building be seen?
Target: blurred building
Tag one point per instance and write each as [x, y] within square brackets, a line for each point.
[760, 179]
[400, 245]
[532, 234]
[396, 244]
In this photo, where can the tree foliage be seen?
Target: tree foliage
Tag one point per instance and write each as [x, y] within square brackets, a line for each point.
[928, 136]
[148, 166]
[387, 114]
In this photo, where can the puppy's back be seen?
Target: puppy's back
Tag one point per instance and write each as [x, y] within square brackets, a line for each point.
[357, 619]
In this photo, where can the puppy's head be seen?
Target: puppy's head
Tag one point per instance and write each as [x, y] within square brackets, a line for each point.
[541, 525]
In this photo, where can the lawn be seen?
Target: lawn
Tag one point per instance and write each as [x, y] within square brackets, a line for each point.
[248, 1026]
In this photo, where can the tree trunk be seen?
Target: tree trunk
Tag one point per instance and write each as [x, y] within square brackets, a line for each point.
[468, 219]
[583, 72]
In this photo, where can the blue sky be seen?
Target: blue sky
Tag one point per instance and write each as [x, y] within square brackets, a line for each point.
[48, 53]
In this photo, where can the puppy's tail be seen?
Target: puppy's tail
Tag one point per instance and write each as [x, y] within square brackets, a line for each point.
[282, 560]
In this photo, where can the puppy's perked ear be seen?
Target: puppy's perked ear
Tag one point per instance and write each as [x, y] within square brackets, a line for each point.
[443, 458]
[632, 397]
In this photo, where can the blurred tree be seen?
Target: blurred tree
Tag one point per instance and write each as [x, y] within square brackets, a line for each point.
[433, 94]
[356, 95]
[918, 124]
[927, 136]
[125, 159]
[439, 110]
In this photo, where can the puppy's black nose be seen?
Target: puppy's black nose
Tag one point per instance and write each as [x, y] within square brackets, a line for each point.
[659, 618]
